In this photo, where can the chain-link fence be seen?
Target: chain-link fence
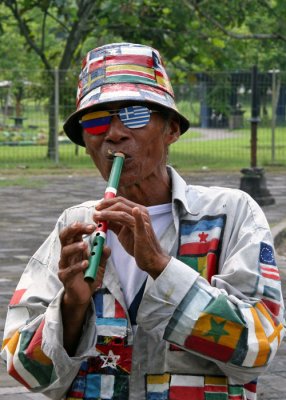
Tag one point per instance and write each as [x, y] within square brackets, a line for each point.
[220, 107]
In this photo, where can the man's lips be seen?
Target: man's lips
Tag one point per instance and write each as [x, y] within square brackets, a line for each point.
[111, 154]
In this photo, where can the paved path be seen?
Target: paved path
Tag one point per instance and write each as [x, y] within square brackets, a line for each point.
[28, 215]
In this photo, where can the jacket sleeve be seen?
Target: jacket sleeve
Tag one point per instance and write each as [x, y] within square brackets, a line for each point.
[32, 346]
[236, 319]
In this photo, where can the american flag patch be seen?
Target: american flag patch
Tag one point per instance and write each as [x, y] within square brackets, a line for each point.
[270, 279]
[267, 262]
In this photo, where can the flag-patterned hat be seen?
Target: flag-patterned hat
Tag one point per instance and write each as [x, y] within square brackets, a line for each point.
[121, 72]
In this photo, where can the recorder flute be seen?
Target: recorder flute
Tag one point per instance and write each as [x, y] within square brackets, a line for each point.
[101, 230]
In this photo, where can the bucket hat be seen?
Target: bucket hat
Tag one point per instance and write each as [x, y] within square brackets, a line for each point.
[121, 72]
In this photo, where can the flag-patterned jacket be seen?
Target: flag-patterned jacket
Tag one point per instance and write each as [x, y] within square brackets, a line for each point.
[206, 327]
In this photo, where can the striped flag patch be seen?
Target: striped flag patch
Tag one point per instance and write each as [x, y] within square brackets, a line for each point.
[184, 386]
[250, 390]
[111, 319]
[96, 123]
[135, 116]
[196, 387]
[262, 341]
[200, 244]
[236, 392]
[216, 387]
[272, 299]
[96, 386]
[130, 69]
[158, 386]
[107, 306]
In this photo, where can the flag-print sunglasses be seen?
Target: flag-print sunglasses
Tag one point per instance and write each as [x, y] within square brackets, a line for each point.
[97, 122]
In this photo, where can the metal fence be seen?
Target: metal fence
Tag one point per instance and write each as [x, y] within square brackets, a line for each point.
[34, 104]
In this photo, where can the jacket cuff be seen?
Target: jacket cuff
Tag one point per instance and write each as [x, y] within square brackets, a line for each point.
[164, 295]
[52, 343]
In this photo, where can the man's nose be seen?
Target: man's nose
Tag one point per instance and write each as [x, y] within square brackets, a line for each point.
[116, 131]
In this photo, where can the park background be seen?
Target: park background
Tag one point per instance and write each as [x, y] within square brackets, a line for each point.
[216, 53]
[226, 61]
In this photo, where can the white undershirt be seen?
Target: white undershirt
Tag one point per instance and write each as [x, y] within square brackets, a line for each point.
[131, 277]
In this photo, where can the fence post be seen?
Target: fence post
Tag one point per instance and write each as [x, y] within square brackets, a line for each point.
[56, 121]
[254, 115]
[275, 94]
[253, 180]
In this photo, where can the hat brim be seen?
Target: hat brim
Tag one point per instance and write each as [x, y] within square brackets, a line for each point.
[73, 128]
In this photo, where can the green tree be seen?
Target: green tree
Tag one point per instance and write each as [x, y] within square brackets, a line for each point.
[14, 57]
[54, 30]
[251, 31]
[193, 35]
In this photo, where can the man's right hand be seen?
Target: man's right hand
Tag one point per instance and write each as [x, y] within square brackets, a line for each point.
[78, 292]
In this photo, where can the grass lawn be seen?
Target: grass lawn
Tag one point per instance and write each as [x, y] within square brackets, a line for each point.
[195, 150]
[227, 150]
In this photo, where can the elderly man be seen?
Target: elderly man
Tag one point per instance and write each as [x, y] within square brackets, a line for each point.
[187, 301]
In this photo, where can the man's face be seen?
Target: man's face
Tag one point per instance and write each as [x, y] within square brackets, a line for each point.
[145, 148]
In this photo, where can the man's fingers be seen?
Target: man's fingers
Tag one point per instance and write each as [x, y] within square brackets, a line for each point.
[114, 217]
[142, 221]
[105, 254]
[68, 273]
[73, 233]
[116, 203]
[75, 251]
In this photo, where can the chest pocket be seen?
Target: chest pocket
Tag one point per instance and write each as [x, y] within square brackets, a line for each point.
[200, 244]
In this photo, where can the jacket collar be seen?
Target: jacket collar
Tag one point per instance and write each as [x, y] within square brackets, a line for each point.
[184, 197]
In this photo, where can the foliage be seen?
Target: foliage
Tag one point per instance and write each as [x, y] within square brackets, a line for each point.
[193, 36]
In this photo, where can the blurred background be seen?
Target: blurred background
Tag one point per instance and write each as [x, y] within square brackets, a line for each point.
[226, 61]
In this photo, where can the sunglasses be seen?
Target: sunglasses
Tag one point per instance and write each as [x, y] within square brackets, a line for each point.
[132, 117]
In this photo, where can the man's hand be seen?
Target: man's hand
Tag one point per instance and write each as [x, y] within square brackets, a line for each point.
[74, 261]
[78, 293]
[132, 225]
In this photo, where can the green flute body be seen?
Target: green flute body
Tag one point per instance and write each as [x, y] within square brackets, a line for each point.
[101, 230]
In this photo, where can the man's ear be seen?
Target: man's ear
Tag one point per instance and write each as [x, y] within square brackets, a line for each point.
[86, 150]
[173, 131]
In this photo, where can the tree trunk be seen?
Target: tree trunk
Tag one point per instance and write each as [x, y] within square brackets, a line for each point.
[57, 77]
[51, 154]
